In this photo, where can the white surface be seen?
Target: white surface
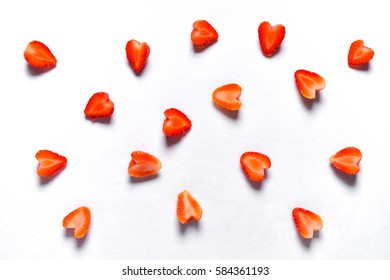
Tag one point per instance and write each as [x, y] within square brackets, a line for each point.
[136, 220]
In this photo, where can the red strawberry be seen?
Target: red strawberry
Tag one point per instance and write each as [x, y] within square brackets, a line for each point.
[137, 53]
[347, 160]
[309, 83]
[270, 37]
[187, 208]
[143, 164]
[203, 34]
[306, 222]
[176, 122]
[253, 164]
[50, 163]
[79, 220]
[99, 106]
[359, 54]
[227, 96]
[38, 55]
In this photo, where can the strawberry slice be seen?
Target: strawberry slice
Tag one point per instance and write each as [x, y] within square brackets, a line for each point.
[306, 222]
[143, 164]
[359, 54]
[347, 160]
[176, 122]
[203, 34]
[50, 163]
[270, 37]
[99, 106]
[227, 96]
[137, 54]
[79, 220]
[187, 208]
[254, 164]
[309, 83]
[39, 55]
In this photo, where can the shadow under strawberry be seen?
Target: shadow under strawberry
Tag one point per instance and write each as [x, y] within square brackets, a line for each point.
[309, 103]
[257, 186]
[173, 140]
[363, 67]
[306, 242]
[195, 225]
[80, 242]
[44, 181]
[138, 180]
[35, 71]
[350, 180]
[232, 114]
[107, 120]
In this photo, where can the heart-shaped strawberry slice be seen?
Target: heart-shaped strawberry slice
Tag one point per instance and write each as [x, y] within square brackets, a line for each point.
[270, 37]
[99, 106]
[187, 208]
[309, 83]
[176, 123]
[227, 96]
[306, 222]
[37, 54]
[254, 164]
[137, 54]
[50, 163]
[143, 164]
[203, 34]
[79, 220]
[359, 54]
[347, 160]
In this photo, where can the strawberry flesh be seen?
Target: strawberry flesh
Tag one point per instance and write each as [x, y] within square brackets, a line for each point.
[309, 83]
[99, 106]
[143, 165]
[306, 222]
[359, 54]
[347, 160]
[203, 34]
[187, 208]
[176, 122]
[227, 96]
[79, 220]
[270, 37]
[50, 163]
[254, 164]
[137, 54]
[39, 55]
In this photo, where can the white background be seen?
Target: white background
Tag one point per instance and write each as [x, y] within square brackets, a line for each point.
[134, 219]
